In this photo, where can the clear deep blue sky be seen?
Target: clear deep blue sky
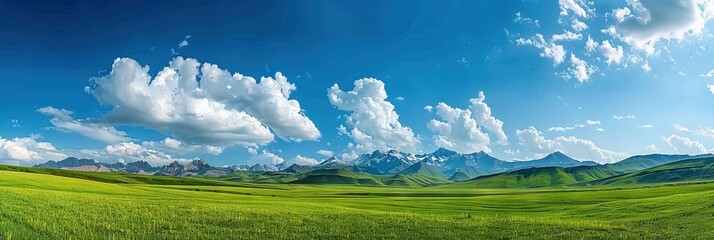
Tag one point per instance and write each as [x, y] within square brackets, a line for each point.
[423, 51]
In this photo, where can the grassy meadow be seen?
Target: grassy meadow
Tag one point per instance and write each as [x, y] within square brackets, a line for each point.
[41, 206]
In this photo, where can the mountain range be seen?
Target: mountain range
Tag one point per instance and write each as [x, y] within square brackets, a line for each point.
[554, 176]
[393, 168]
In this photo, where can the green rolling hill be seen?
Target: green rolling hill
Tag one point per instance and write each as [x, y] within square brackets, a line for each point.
[336, 176]
[698, 169]
[419, 174]
[459, 176]
[258, 177]
[123, 178]
[524, 178]
[641, 162]
[558, 176]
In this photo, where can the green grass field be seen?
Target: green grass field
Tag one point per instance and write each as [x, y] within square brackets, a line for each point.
[43, 206]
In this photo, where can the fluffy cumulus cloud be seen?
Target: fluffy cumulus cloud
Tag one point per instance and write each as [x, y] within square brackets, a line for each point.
[28, 150]
[580, 69]
[482, 113]
[535, 143]
[621, 13]
[649, 21]
[611, 54]
[304, 160]
[575, 7]
[683, 145]
[373, 120]
[579, 26]
[225, 109]
[62, 120]
[591, 45]
[467, 130]
[266, 158]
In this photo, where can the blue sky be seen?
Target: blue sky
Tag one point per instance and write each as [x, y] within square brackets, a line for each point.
[640, 85]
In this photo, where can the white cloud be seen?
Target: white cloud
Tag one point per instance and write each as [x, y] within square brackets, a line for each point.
[482, 113]
[129, 152]
[462, 130]
[400, 98]
[226, 109]
[550, 49]
[184, 42]
[591, 44]
[611, 54]
[16, 123]
[428, 108]
[31, 151]
[325, 153]
[646, 67]
[520, 19]
[566, 36]
[265, 158]
[304, 160]
[560, 129]
[579, 26]
[574, 6]
[621, 13]
[349, 156]
[458, 131]
[174, 145]
[711, 88]
[580, 69]
[617, 117]
[538, 145]
[651, 147]
[62, 120]
[680, 128]
[646, 126]
[374, 122]
[252, 150]
[28, 149]
[700, 131]
[653, 20]
[600, 129]
[683, 145]
[592, 122]
[708, 74]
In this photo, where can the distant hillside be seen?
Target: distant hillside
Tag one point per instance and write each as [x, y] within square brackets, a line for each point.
[295, 168]
[459, 176]
[336, 176]
[559, 176]
[640, 162]
[418, 174]
[556, 159]
[524, 178]
[423, 169]
[697, 169]
[120, 178]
